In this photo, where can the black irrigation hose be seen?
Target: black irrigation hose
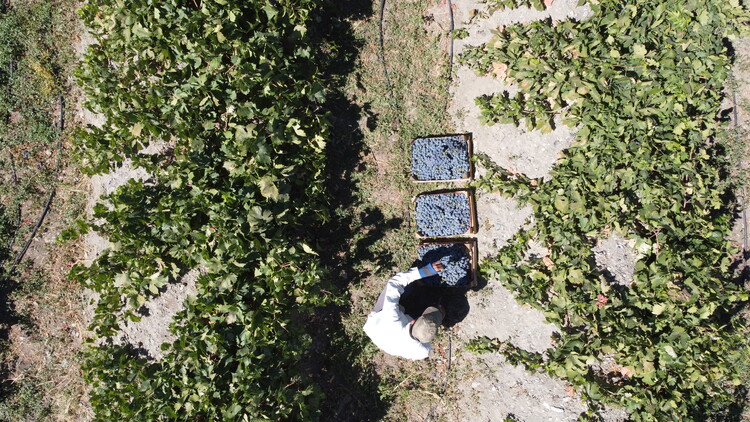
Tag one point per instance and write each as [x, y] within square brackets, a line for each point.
[39, 222]
[20, 255]
[59, 135]
[18, 210]
[445, 382]
[450, 353]
[13, 170]
[62, 120]
[388, 83]
[743, 191]
[450, 53]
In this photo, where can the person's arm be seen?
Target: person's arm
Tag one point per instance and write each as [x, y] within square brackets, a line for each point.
[431, 269]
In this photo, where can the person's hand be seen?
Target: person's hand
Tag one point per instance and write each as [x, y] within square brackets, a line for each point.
[438, 266]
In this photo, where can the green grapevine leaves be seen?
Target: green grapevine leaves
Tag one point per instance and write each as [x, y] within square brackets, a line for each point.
[226, 97]
[643, 81]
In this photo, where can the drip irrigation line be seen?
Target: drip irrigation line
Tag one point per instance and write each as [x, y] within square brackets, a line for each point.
[18, 209]
[742, 190]
[59, 135]
[388, 83]
[450, 353]
[445, 381]
[39, 222]
[451, 28]
[13, 170]
[62, 115]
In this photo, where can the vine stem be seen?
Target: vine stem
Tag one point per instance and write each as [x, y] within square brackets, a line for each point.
[39, 222]
[13, 170]
[382, 49]
[451, 28]
[742, 190]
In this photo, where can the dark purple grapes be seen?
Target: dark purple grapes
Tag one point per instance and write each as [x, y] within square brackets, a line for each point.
[445, 214]
[455, 257]
[439, 158]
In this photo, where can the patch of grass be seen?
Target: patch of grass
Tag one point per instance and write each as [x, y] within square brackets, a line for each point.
[41, 327]
[376, 112]
[35, 63]
[740, 361]
[24, 404]
[36, 58]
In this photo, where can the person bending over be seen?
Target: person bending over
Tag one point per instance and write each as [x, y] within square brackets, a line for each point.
[395, 332]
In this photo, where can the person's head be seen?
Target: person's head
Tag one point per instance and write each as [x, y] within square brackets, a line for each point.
[425, 327]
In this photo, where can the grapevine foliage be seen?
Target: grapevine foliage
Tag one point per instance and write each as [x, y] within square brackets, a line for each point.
[512, 4]
[643, 81]
[230, 92]
[454, 257]
[443, 158]
[443, 214]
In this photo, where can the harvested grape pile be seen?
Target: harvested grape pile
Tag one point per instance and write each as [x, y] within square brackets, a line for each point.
[454, 256]
[444, 214]
[442, 158]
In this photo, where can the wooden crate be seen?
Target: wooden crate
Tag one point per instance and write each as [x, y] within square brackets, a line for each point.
[472, 210]
[469, 175]
[471, 246]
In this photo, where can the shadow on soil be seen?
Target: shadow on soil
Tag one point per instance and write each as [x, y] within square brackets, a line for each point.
[348, 380]
[417, 298]
[8, 317]
[339, 357]
[8, 314]
[18, 397]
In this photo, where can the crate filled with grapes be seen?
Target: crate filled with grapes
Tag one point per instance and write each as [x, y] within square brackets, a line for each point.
[458, 257]
[445, 158]
[445, 213]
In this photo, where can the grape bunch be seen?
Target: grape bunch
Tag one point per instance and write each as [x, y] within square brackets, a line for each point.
[439, 158]
[454, 257]
[445, 214]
